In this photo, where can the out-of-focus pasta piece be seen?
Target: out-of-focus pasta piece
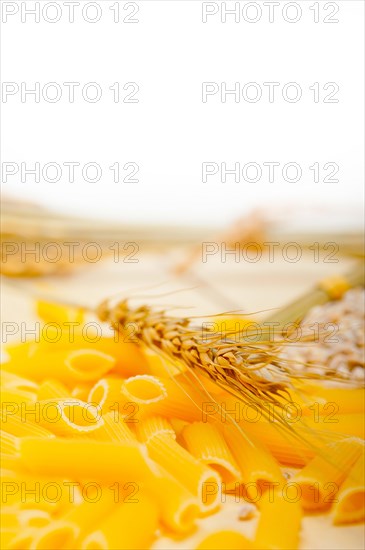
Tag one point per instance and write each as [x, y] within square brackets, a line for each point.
[20, 426]
[350, 505]
[256, 463]
[225, 539]
[57, 534]
[182, 400]
[206, 443]
[11, 381]
[66, 366]
[107, 394]
[131, 526]
[50, 389]
[85, 459]
[51, 312]
[158, 365]
[319, 481]
[346, 424]
[345, 400]
[86, 515]
[69, 417]
[279, 523]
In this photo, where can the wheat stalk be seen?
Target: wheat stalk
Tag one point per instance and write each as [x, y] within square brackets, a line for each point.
[251, 372]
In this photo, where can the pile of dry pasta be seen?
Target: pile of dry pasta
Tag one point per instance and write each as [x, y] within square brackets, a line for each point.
[105, 446]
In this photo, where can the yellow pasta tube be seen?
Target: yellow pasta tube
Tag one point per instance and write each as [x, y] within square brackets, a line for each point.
[81, 391]
[50, 389]
[159, 365]
[123, 529]
[153, 426]
[350, 505]
[11, 381]
[345, 424]
[206, 443]
[66, 366]
[143, 389]
[114, 429]
[19, 426]
[257, 465]
[200, 480]
[86, 514]
[107, 394]
[69, 416]
[85, 365]
[225, 539]
[319, 481]
[181, 401]
[85, 459]
[57, 534]
[345, 400]
[178, 507]
[50, 312]
[279, 523]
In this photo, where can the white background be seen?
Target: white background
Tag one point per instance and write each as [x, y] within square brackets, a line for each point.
[170, 132]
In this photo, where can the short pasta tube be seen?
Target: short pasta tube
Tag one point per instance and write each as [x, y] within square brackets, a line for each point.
[320, 479]
[350, 505]
[106, 393]
[255, 462]
[122, 529]
[200, 480]
[86, 459]
[207, 444]
[279, 523]
[69, 417]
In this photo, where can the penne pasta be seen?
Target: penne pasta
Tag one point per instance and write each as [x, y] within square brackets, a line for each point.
[71, 458]
[350, 505]
[69, 417]
[154, 426]
[206, 443]
[50, 389]
[122, 529]
[259, 468]
[279, 523]
[319, 481]
[181, 401]
[114, 428]
[17, 425]
[201, 481]
[107, 394]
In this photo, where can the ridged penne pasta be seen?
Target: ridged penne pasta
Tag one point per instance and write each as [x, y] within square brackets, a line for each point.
[11, 381]
[201, 481]
[320, 479]
[21, 427]
[279, 523]
[181, 401]
[350, 505]
[178, 507]
[144, 390]
[125, 520]
[107, 394]
[346, 400]
[206, 443]
[69, 417]
[96, 460]
[50, 389]
[114, 428]
[153, 426]
[67, 366]
[255, 462]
